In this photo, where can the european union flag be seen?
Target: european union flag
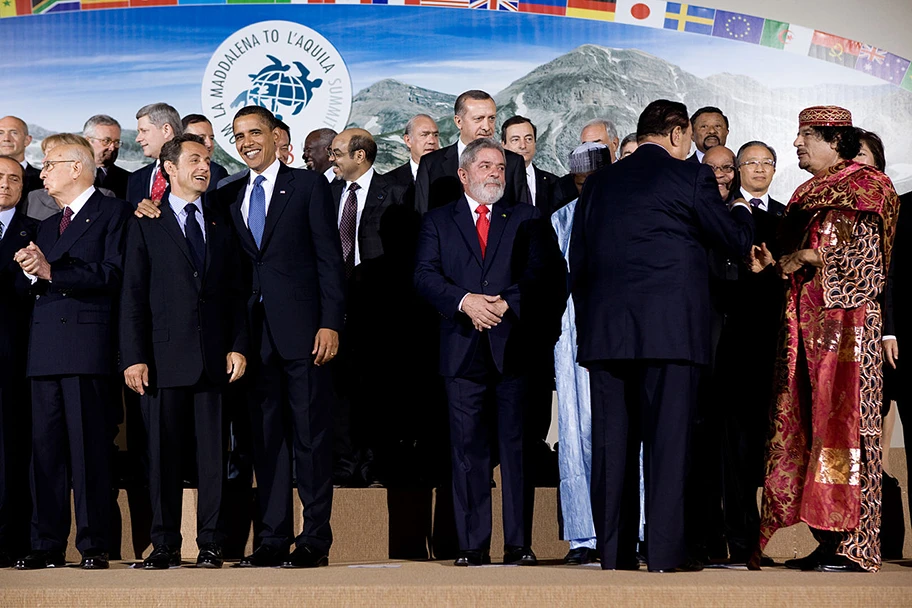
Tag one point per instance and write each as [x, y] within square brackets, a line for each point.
[736, 26]
[689, 18]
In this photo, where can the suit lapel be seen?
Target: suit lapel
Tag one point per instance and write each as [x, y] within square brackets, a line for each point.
[81, 222]
[500, 215]
[235, 209]
[281, 194]
[14, 238]
[336, 188]
[376, 199]
[168, 222]
[451, 160]
[466, 224]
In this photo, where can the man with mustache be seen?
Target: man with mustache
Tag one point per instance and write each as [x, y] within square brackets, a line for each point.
[478, 261]
[710, 128]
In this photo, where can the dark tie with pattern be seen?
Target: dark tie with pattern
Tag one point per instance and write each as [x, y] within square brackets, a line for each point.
[256, 213]
[66, 219]
[347, 228]
[1, 230]
[194, 235]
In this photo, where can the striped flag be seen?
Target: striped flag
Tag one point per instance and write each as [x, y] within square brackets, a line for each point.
[445, 3]
[602, 10]
[543, 7]
[88, 5]
[15, 8]
[183, 2]
[907, 81]
[137, 3]
[787, 37]
[54, 6]
[834, 49]
[495, 5]
[689, 18]
[882, 64]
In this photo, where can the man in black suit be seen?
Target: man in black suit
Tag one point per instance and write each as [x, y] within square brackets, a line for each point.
[437, 182]
[639, 279]
[288, 231]
[16, 231]
[156, 123]
[76, 263]
[478, 262]
[421, 137]
[14, 139]
[710, 128]
[183, 338]
[316, 152]
[519, 135]
[103, 132]
[596, 131]
[197, 124]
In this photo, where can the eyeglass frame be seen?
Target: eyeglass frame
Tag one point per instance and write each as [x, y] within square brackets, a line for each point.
[766, 162]
[107, 141]
[49, 165]
[723, 168]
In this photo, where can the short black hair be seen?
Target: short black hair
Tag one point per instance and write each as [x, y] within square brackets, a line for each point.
[848, 145]
[759, 144]
[516, 120]
[171, 150]
[629, 138]
[192, 119]
[708, 110]
[267, 116]
[661, 117]
[281, 126]
[361, 142]
[474, 94]
[875, 144]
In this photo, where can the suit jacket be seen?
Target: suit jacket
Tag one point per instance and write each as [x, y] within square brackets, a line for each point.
[638, 257]
[139, 184]
[15, 299]
[74, 322]
[438, 182]
[380, 196]
[115, 180]
[895, 305]
[298, 271]
[693, 158]
[450, 265]
[41, 205]
[177, 319]
[544, 191]
[33, 180]
[216, 174]
[402, 175]
[564, 192]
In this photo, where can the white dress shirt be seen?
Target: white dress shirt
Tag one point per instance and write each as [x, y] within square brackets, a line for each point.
[530, 179]
[364, 183]
[460, 147]
[270, 173]
[329, 174]
[764, 205]
[414, 167]
[700, 156]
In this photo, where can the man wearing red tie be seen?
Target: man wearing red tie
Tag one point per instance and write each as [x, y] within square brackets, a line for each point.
[156, 123]
[478, 261]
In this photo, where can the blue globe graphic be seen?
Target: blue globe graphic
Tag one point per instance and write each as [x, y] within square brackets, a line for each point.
[275, 90]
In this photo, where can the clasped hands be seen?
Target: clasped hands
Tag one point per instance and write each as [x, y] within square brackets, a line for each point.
[31, 259]
[760, 257]
[484, 311]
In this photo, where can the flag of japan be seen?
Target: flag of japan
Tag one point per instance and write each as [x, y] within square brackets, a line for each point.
[649, 13]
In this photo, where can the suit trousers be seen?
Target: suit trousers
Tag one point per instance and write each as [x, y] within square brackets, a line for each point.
[652, 401]
[168, 413]
[469, 397]
[290, 405]
[15, 451]
[72, 424]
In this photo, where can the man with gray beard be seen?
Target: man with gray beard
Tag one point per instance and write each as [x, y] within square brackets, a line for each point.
[479, 264]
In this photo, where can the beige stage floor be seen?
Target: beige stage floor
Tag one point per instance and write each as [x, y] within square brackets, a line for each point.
[441, 584]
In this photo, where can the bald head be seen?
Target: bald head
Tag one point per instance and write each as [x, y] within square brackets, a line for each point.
[352, 153]
[722, 161]
[14, 137]
[316, 146]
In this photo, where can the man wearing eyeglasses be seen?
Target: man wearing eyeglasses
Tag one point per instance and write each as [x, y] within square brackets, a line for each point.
[103, 132]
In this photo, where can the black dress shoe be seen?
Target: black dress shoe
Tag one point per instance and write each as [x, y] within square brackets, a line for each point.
[162, 558]
[520, 556]
[808, 562]
[36, 560]
[472, 558]
[94, 560]
[688, 565]
[210, 556]
[838, 563]
[306, 556]
[265, 556]
[580, 556]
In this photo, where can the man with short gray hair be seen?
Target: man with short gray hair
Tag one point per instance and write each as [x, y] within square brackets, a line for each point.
[103, 132]
[156, 124]
[601, 131]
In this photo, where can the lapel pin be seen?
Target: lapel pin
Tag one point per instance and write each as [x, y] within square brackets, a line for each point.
[281, 192]
[87, 220]
[23, 233]
[504, 215]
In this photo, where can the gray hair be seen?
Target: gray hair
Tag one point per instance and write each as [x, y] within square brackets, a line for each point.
[160, 114]
[751, 144]
[411, 123]
[471, 151]
[99, 120]
[603, 122]
[83, 155]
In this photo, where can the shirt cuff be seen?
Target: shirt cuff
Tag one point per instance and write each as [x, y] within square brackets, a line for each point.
[30, 277]
[459, 308]
[885, 338]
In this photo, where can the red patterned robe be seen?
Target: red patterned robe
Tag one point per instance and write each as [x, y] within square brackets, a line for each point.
[824, 454]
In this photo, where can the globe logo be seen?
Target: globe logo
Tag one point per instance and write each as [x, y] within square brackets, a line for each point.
[274, 88]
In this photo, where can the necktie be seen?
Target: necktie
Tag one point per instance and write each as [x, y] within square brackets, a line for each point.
[65, 220]
[756, 202]
[1, 230]
[347, 228]
[100, 175]
[482, 226]
[158, 185]
[527, 193]
[194, 235]
[256, 215]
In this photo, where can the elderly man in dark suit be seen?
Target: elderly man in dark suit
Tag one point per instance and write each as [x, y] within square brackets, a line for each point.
[438, 183]
[479, 260]
[16, 231]
[639, 278]
[183, 338]
[421, 137]
[287, 228]
[14, 139]
[76, 263]
[103, 133]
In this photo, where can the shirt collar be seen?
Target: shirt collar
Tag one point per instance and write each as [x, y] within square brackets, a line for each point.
[530, 172]
[473, 204]
[364, 181]
[80, 201]
[178, 204]
[270, 173]
[329, 174]
[24, 164]
[765, 198]
[700, 156]
[460, 147]
[6, 217]
[414, 167]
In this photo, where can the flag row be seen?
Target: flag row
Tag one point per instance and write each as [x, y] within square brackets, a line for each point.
[648, 13]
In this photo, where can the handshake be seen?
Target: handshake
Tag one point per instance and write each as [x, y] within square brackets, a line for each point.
[484, 311]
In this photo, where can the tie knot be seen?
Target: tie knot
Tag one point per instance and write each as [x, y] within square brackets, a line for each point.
[191, 209]
[259, 180]
[67, 212]
[756, 202]
[354, 186]
[482, 210]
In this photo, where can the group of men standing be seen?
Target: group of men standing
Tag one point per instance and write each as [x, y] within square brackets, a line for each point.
[291, 279]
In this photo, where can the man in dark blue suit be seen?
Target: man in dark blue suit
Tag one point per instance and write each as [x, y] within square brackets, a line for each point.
[287, 228]
[16, 231]
[156, 123]
[76, 264]
[478, 261]
[639, 278]
[183, 338]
